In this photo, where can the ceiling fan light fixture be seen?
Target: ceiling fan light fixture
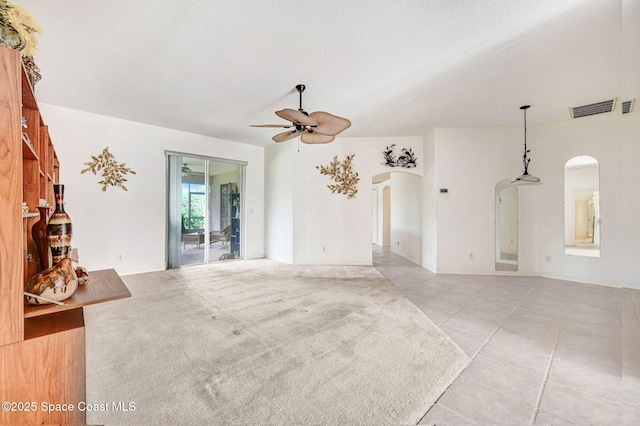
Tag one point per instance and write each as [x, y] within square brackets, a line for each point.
[314, 128]
[525, 178]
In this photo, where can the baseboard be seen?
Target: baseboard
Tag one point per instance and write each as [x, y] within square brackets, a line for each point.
[585, 281]
[340, 262]
[430, 268]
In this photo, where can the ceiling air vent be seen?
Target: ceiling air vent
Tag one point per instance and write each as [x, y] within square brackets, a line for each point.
[627, 106]
[593, 109]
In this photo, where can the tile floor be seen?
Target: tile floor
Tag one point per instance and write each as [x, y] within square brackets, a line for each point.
[193, 254]
[543, 351]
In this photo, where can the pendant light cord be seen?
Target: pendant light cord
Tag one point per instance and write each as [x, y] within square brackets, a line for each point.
[525, 160]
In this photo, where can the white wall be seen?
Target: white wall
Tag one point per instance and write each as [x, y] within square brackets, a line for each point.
[406, 213]
[429, 205]
[278, 179]
[612, 139]
[133, 223]
[328, 228]
[305, 223]
[471, 160]
[469, 163]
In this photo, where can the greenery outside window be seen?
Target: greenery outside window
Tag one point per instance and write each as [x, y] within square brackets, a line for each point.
[193, 207]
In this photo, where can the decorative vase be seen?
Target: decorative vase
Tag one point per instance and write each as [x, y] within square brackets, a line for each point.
[59, 228]
[54, 284]
[40, 237]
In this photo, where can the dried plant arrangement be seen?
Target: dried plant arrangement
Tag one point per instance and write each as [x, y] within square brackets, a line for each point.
[343, 175]
[18, 28]
[112, 173]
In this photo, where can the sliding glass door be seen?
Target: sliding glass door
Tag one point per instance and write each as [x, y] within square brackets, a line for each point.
[204, 209]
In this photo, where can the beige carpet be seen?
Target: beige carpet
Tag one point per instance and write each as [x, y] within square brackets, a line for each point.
[258, 342]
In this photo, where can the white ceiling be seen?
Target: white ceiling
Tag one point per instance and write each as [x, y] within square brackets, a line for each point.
[393, 67]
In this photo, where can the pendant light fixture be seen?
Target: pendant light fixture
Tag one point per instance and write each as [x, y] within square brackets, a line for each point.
[526, 178]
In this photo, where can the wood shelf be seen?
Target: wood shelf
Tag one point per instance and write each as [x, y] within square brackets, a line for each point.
[102, 286]
[54, 323]
[28, 95]
[27, 150]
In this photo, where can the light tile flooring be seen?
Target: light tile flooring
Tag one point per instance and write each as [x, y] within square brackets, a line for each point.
[543, 351]
[194, 254]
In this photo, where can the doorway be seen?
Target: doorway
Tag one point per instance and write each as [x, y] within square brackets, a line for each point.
[386, 216]
[398, 213]
[205, 198]
[381, 210]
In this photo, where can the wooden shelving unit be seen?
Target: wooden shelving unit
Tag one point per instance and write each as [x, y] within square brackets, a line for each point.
[42, 348]
[235, 223]
[102, 286]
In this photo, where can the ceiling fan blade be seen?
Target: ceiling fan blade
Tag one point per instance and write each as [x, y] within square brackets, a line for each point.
[314, 137]
[295, 117]
[329, 124]
[285, 136]
[275, 126]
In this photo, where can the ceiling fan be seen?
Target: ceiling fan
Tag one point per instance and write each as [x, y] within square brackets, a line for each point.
[317, 127]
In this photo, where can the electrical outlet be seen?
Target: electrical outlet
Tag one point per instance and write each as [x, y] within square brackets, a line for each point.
[547, 258]
[470, 256]
[120, 256]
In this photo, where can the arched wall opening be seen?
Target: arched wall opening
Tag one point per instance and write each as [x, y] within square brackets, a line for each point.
[582, 206]
[397, 213]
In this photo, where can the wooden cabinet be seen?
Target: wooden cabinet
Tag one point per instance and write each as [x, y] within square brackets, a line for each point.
[42, 349]
[40, 170]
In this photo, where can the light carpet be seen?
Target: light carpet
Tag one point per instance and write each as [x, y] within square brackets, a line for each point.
[259, 342]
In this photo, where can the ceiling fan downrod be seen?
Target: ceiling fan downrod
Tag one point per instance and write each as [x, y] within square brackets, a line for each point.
[300, 88]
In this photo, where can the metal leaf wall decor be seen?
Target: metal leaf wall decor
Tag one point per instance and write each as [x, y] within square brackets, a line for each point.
[343, 175]
[406, 158]
[113, 174]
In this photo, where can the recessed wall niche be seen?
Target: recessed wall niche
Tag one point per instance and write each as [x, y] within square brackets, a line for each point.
[506, 196]
[582, 206]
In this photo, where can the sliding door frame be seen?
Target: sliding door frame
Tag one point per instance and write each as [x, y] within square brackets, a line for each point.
[172, 248]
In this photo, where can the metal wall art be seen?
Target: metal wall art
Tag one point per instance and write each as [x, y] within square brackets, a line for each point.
[343, 175]
[113, 174]
[406, 158]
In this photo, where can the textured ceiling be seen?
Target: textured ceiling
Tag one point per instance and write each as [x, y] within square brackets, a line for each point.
[393, 67]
